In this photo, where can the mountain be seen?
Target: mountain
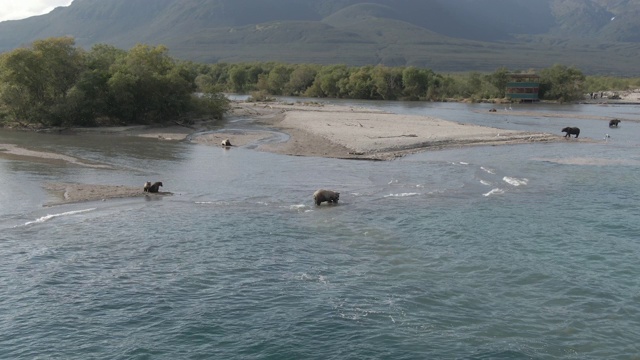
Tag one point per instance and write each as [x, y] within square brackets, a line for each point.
[597, 36]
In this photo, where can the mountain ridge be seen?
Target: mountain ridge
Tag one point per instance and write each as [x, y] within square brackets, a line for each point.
[598, 36]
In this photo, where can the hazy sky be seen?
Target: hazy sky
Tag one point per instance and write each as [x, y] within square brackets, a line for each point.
[20, 9]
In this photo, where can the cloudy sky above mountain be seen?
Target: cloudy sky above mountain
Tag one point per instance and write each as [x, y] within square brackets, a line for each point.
[20, 9]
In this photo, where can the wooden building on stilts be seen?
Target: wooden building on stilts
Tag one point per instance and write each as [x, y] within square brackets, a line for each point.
[523, 87]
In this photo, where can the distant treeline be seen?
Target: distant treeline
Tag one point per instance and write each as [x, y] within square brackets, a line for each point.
[55, 83]
[557, 83]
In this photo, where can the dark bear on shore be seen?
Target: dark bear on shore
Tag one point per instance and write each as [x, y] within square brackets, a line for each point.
[154, 188]
[571, 131]
[614, 123]
[329, 196]
[226, 142]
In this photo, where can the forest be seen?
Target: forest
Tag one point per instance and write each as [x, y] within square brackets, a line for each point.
[55, 83]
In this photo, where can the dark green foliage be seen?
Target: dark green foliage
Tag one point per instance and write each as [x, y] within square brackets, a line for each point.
[54, 83]
[394, 83]
[360, 84]
[301, 79]
[277, 80]
[562, 83]
[499, 80]
[36, 81]
[329, 79]
[212, 105]
[238, 79]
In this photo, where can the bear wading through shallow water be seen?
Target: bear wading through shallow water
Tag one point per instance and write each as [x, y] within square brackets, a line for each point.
[329, 196]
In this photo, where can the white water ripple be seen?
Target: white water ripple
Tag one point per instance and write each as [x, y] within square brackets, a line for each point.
[52, 216]
[515, 181]
[495, 191]
[402, 194]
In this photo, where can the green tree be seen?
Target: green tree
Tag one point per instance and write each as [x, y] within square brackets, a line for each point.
[238, 78]
[22, 90]
[326, 82]
[300, 79]
[387, 82]
[448, 88]
[562, 83]
[89, 99]
[148, 86]
[415, 82]
[54, 83]
[37, 80]
[14, 104]
[360, 84]
[473, 86]
[205, 83]
[61, 62]
[499, 80]
[219, 73]
[277, 80]
[253, 73]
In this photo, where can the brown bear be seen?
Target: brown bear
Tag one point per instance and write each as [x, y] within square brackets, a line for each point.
[614, 123]
[329, 196]
[226, 142]
[147, 185]
[571, 131]
[154, 188]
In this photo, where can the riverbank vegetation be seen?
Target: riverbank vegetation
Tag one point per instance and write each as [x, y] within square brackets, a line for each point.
[55, 83]
[557, 83]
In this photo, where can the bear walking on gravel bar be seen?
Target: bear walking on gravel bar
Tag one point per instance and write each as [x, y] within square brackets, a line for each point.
[571, 131]
[329, 196]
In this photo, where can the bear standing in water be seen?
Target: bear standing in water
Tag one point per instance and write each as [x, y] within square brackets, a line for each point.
[329, 196]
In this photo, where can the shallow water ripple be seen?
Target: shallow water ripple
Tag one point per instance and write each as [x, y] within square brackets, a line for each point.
[414, 263]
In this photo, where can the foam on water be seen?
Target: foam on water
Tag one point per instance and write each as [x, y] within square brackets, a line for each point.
[489, 171]
[403, 194]
[515, 181]
[495, 191]
[53, 216]
[300, 208]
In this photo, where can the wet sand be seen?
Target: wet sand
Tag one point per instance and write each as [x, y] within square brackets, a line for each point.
[67, 193]
[360, 133]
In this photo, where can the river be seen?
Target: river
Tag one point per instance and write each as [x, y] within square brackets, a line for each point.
[511, 252]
